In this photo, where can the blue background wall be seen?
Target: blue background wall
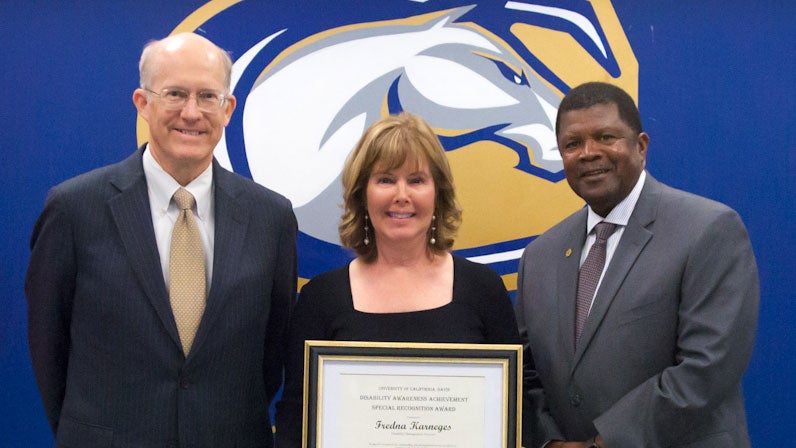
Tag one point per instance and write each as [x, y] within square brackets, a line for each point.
[716, 93]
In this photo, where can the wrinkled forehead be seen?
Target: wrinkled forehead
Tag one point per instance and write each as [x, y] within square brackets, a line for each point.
[181, 61]
[598, 116]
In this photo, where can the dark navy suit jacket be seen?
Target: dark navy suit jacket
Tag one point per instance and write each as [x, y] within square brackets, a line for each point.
[103, 340]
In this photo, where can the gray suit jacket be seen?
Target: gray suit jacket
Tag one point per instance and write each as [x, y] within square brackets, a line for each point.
[103, 340]
[661, 357]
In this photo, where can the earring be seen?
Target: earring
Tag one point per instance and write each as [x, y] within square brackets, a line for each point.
[366, 241]
[433, 229]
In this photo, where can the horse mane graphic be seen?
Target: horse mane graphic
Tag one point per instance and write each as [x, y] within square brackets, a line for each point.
[309, 106]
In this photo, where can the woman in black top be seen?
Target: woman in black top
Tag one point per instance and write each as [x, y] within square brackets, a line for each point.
[400, 217]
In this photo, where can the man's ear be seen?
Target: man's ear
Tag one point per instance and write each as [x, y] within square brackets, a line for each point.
[141, 100]
[229, 107]
[643, 142]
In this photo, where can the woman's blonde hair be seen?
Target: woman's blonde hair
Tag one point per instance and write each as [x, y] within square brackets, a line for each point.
[389, 143]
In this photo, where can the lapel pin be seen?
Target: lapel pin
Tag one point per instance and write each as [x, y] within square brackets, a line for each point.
[568, 252]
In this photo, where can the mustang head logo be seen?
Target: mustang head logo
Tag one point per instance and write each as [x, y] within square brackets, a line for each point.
[309, 107]
[487, 77]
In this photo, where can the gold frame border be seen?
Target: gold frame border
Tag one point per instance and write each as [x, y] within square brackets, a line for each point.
[356, 351]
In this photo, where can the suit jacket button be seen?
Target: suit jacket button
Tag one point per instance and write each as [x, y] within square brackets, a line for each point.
[184, 383]
[575, 400]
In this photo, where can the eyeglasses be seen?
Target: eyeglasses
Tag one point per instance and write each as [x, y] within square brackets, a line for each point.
[175, 99]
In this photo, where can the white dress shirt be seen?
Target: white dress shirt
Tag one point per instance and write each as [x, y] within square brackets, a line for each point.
[161, 187]
[620, 215]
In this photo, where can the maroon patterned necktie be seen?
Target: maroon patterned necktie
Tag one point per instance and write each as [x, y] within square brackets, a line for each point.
[589, 275]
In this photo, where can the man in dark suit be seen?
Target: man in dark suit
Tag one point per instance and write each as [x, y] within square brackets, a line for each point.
[665, 340]
[130, 348]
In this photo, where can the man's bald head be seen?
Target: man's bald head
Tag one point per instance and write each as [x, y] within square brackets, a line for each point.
[156, 50]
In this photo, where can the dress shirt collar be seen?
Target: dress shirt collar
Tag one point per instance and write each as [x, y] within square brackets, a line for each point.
[162, 186]
[620, 215]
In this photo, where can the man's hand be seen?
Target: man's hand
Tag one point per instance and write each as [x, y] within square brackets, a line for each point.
[597, 441]
[560, 444]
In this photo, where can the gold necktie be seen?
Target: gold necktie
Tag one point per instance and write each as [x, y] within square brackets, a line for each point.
[187, 283]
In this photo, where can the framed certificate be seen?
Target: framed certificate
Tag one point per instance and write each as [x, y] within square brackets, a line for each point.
[411, 395]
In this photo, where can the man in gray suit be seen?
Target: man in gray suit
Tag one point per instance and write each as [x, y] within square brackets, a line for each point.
[665, 340]
[116, 360]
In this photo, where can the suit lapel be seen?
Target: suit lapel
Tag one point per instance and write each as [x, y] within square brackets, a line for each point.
[634, 239]
[567, 283]
[231, 218]
[133, 217]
